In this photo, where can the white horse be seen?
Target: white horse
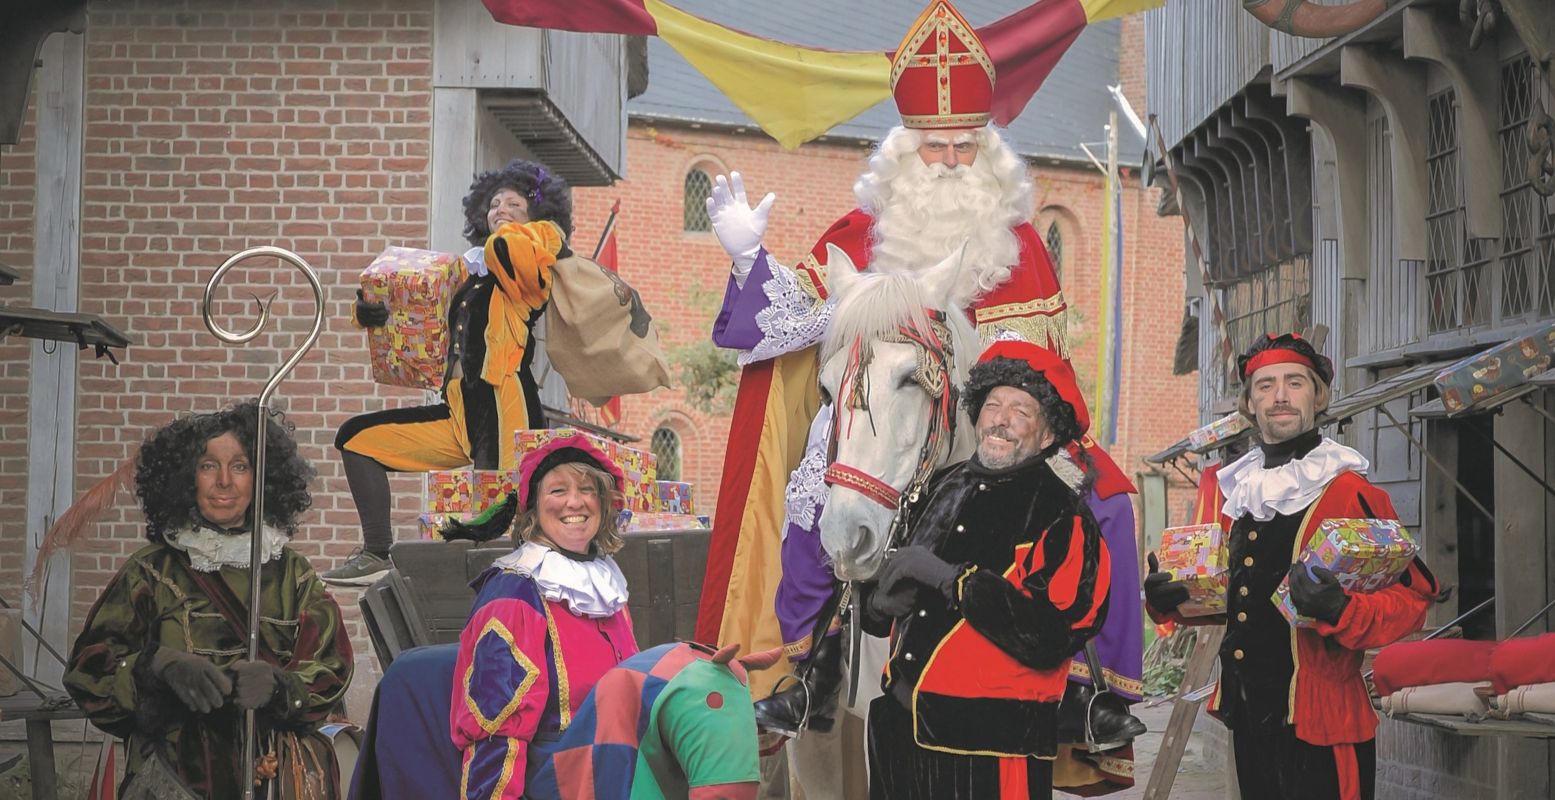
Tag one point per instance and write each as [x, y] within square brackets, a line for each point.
[893, 360]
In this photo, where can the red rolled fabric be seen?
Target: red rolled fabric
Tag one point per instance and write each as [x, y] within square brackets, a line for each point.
[1519, 662]
[1431, 662]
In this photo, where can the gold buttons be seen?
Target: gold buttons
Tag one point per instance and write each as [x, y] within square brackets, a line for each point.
[1241, 616]
[1252, 536]
[1237, 654]
[1247, 562]
[1242, 591]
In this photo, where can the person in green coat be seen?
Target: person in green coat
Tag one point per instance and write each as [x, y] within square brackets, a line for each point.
[162, 660]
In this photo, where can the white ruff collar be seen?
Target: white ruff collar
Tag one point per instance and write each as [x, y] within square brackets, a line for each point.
[594, 588]
[1288, 488]
[475, 261]
[210, 550]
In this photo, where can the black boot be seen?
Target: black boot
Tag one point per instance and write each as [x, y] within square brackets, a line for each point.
[818, 684]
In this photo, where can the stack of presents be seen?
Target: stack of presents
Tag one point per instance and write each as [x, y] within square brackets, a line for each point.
[412, 351]
[650, 504]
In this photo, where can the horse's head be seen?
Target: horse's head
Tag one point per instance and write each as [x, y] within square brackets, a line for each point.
[892, 362]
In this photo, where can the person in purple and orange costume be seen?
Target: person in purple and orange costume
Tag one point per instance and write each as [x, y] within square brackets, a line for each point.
[1300, 716]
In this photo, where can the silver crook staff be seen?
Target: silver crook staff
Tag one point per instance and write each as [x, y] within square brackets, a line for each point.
[259, 443]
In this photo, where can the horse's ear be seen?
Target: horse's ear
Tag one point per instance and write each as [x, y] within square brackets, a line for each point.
[762, 660]
[840, 270]
[725, 654]
[939, 282]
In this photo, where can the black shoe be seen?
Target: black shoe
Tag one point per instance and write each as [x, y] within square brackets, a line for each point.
[811, 701]
[1112, 728]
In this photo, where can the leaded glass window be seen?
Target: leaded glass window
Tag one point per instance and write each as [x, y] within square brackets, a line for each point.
[698, 187]
[666, 449]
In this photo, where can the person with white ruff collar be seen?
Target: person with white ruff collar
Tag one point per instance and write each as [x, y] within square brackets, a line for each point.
[1300, 716]
[548, 621]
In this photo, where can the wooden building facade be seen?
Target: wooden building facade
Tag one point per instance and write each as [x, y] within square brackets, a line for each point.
[1381, 191]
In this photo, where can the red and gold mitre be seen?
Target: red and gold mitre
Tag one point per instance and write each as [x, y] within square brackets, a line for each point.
[941, 76]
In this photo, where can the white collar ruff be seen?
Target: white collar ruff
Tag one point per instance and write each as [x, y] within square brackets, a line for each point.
[475, 261]
[1289, 488]
[594, 588]
[211, 550]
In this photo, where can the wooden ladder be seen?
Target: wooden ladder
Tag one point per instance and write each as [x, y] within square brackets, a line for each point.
[1175, 742]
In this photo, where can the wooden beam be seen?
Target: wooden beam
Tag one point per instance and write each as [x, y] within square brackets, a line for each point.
[1400, 88]
[51, 417]
[1475, 77]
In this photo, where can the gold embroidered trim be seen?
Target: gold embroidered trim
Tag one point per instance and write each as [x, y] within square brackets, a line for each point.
[1043, 331]
[563, 707]
[490, 726]
[1041, 305]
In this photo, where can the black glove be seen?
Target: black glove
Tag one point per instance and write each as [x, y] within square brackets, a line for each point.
[1161, 592]
[197, 682]
[256, 683]
[896, 603]
[1320, 596]
[919, 564]
[370, 313]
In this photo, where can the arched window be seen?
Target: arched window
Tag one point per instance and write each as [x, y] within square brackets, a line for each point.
[666, 448]
[1055, 248]
[698, 187]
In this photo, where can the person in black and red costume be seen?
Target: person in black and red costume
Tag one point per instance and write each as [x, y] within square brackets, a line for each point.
[1004, 577]
[1301, 720]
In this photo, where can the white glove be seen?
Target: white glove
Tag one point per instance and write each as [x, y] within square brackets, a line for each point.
[739, 227]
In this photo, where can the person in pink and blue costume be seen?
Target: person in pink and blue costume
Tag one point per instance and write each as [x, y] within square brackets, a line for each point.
[549, 621]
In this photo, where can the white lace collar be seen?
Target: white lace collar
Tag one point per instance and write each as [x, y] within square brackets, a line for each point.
[210, 550]
[475, 261]
[1288, 488]
[594, 588]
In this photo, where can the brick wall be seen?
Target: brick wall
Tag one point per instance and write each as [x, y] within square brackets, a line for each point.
[814, 187]
[212, 128]
[17, 186]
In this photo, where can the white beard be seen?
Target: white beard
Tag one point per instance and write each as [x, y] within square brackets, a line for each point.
[932, 211]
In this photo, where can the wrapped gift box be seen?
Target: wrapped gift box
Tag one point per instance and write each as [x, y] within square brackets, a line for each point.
[1196, 555]
[640, 468]
[1499, 369]
[1364, 554]
[489, 486]
[660, 521]
[673, 497]
[417, 285]
[432, 523]
[449, 491]
[1218, 431]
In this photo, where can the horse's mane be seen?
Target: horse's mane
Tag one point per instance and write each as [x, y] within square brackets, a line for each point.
[875, 304]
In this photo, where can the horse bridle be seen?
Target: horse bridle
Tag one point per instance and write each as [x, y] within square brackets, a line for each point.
[935, 355]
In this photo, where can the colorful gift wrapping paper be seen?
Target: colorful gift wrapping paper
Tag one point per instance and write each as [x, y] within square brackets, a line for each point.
[640, 468]
[417, 285]
[1218, 431]
[1196, 555]
[1499, 369]
[673, 497]
[449, 491]
[661, 521]
[1364, 554]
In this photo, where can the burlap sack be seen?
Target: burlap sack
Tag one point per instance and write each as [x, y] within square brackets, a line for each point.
[599, 336]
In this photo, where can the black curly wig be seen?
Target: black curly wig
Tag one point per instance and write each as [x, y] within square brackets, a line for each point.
[165, 480]
[984, 376]
[549, 197]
